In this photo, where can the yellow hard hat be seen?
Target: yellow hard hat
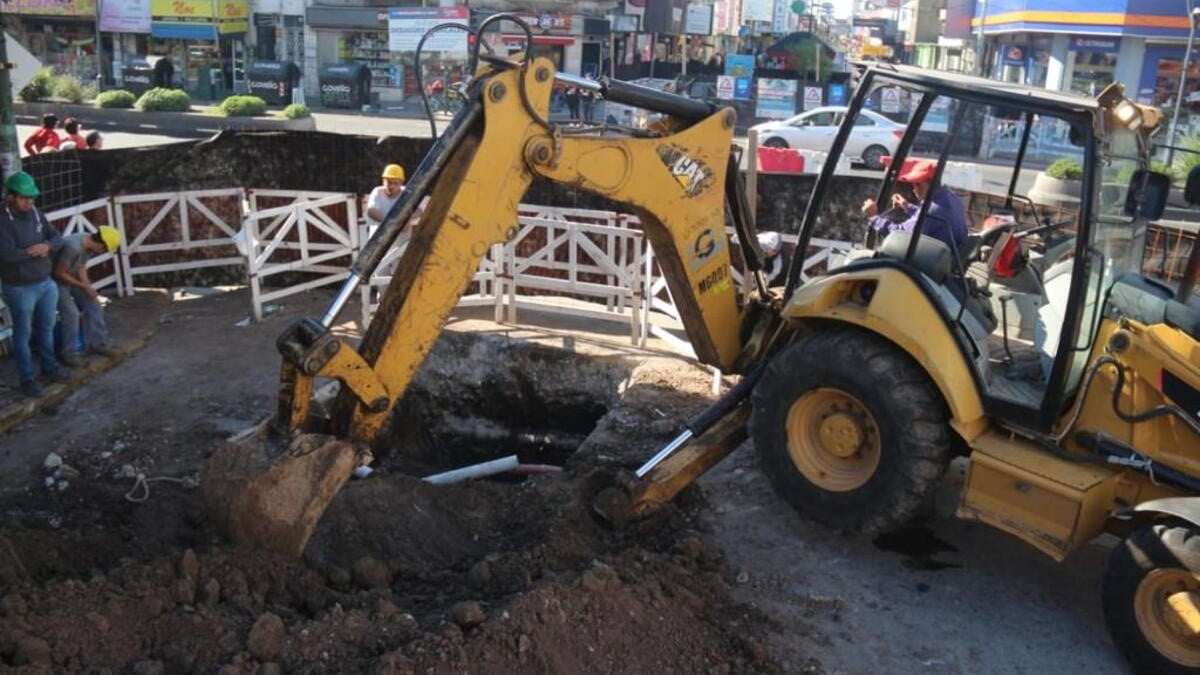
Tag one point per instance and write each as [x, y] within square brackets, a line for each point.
[393, 172]
[111, 237]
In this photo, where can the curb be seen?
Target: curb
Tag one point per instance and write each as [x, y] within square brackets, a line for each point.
[187, 124]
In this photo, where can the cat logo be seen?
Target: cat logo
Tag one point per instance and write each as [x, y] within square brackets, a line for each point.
[693, 175]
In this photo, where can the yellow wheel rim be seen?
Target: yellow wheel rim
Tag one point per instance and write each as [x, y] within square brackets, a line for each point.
[833, 439]
[1164, 605]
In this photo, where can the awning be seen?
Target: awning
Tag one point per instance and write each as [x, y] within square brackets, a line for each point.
[542, 39]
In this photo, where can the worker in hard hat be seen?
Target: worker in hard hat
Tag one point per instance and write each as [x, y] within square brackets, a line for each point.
[77, 297]
[381, 199]
[27, 246]
[775, 261]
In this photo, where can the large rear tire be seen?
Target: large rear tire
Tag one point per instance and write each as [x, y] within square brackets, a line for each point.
[850, 430]
[1150, 575]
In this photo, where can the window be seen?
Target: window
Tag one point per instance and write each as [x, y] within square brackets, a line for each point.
[822, 119]
[1093, 72]
[864, 121]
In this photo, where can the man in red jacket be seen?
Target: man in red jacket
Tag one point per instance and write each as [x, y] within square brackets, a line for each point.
[43, 138]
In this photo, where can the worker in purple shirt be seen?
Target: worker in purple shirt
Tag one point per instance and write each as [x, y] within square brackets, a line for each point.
[946, 219]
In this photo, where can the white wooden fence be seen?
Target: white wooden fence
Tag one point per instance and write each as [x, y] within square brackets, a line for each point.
[571, 262]
[300, 235]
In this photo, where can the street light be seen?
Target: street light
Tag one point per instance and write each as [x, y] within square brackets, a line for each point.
[1193, 14]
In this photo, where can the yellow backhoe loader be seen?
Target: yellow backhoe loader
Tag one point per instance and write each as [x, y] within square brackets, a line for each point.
[1079, 411]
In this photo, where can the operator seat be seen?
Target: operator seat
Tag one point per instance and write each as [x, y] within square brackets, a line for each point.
[935, 260]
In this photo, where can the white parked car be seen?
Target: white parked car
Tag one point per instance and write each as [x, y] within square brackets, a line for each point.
[874, 136]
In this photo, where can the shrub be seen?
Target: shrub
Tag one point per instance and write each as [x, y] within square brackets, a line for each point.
[39, 87]
[1065, 169]
[116, 98]
[1185, 161]
[161, 99]
[242, 106]
[296, 111]
[67, 87]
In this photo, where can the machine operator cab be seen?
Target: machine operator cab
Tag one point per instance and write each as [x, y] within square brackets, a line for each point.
[1055, 194]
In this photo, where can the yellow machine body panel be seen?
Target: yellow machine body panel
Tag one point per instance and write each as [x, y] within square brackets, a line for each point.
[888, 302]
[1052, 503]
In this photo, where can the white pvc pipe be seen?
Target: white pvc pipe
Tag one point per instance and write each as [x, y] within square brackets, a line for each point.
[481, 470]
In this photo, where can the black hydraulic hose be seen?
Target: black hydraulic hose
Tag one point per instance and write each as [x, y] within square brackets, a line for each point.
[1117, 452]
[421, 77]
[1147, 415]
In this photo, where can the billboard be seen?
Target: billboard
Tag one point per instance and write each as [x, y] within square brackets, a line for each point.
[125, 16]
[406, 25]
[699, 20]
[776, 98]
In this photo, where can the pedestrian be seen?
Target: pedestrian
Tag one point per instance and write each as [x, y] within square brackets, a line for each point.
[589, 104]
[572, 99]
[45, 137]
[76, 296]
[381, 199]
[71, 126]
[95, 141]
[27, 244]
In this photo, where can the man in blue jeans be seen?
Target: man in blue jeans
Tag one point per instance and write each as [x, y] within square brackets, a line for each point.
[27, 243]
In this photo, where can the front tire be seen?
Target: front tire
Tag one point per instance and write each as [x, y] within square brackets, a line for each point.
[1149, 575]
[776, 142]
[850, 430]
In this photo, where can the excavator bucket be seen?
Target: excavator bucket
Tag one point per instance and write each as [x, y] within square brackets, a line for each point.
[267, 492]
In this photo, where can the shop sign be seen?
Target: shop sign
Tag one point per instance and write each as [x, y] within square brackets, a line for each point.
[758, 10]
[125, 16]
[624, 23]
[1104, 45]
[546, 21]
[837, 93]
[741, 88]
[699, 20]
[725, 87]
[198, 19]
[85, 8]
[812, 98]
[776, 98]
[1014, 55]
[739, 65]
[406, 25]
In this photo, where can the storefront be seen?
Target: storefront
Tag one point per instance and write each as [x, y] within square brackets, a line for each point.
[200, 37]
[352, 35]
[575, 43]
[59, 34]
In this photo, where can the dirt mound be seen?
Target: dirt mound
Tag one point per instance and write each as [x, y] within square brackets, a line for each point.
[401, 577]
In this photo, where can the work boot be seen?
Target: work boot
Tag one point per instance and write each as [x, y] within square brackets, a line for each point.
[103, 349]
[70, 360]
[31, 388]
[61, 375]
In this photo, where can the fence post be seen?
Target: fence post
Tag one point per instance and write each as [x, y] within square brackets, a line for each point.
[252, 267]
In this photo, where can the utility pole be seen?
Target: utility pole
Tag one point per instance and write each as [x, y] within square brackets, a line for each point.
[1187, 58]
[10, 152]
[99, 51]
[979, 42]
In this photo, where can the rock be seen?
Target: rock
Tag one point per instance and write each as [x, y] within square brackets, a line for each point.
[98, 621]
[31, 651]
[106, 454]
[385, 609]
[524, 644]
[52, 462]
[210, 593]
[372, 573]
[265, 642]
[599, 578]
[480, 574]
[119, 446]
[49, 482]
[189, 565]
[467, 613]
[149, 668]
[13, 605]
[691, 548]
[743, 577]
[270, 668]
[338, 576]
[63, 485]
[184, 591]
[67, 472]
[153, 605]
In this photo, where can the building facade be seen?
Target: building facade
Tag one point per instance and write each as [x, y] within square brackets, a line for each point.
[1084, 47]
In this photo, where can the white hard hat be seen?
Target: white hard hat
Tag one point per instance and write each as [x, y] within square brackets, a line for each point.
[770, 241]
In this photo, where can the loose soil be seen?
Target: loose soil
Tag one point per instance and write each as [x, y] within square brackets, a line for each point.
[400, 577]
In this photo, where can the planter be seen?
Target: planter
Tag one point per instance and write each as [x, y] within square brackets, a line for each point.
[1056, 192]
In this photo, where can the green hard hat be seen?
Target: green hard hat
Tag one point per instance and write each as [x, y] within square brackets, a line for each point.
[22, 184]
